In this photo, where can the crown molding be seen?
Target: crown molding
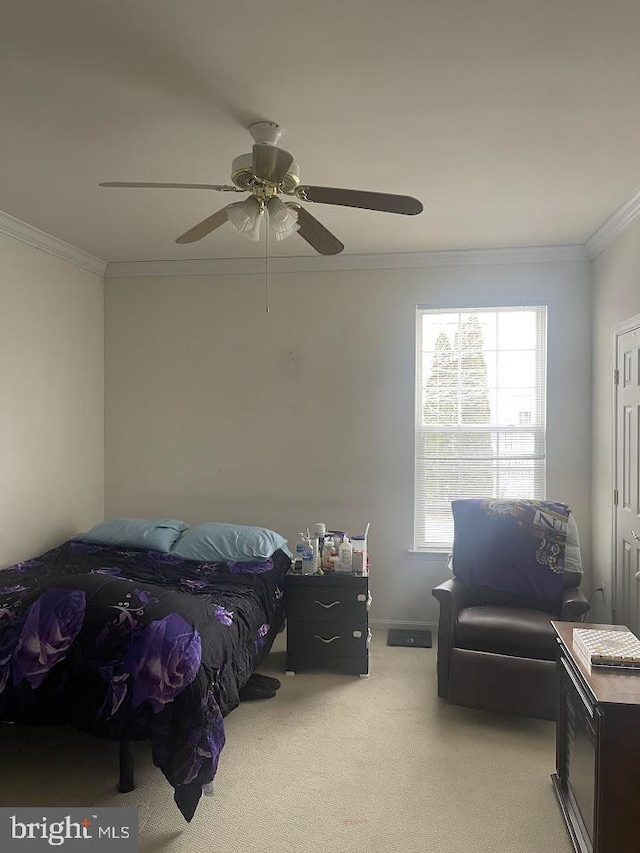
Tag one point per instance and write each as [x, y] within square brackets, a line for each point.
[336, 263]
[613, 227]
[605, 235]
[52, 245]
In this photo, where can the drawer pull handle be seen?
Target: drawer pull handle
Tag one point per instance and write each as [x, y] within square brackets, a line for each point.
[326, 606]
[323, 640]
[362, 597]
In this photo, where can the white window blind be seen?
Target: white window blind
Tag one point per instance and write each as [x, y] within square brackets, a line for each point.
[480, 411]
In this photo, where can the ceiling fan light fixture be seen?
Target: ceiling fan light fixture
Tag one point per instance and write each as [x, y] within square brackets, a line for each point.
[283, 220]
[246, 218]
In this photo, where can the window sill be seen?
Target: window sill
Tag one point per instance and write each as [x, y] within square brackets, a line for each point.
[431, 554]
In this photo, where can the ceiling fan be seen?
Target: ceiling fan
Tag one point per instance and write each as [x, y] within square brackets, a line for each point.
[267, 173]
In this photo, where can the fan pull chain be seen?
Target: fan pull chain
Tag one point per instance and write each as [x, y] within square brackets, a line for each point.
[266, 259]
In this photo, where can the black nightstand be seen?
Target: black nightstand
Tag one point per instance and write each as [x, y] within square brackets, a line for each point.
[328, 623]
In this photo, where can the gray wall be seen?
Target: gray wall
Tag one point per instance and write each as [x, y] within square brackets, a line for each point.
[216, 410]
[616, 297]
[51, 389]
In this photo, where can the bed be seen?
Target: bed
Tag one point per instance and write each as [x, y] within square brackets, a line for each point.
[130, 644]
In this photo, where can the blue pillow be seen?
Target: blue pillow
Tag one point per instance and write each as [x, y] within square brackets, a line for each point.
[158, 535]
[216, 541]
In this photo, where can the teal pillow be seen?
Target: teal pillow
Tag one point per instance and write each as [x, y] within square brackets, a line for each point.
[216, 541]
[151, 535]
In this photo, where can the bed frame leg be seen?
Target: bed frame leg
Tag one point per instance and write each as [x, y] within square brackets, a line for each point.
[126, 782]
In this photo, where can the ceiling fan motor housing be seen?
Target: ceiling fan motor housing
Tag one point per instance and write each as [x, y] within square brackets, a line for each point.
[243, 177]
[267, 132]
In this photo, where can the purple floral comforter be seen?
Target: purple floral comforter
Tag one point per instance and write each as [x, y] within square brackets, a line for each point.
[136, 645]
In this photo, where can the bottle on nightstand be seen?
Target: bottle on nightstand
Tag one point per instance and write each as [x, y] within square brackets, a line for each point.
[328, 551]
[300, 549]
[307, 560]
[345, 556]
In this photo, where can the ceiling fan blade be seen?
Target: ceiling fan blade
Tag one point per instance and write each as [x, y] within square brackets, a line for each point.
[205, 227]
[359, 198]
[221, 187]
[270, 164]
[314, 232]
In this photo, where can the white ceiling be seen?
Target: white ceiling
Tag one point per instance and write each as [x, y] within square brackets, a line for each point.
[516, 122]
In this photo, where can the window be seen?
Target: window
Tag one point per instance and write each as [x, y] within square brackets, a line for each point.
[480, 411]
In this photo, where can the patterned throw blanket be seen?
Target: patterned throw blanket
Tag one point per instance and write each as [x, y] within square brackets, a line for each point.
[513, 546]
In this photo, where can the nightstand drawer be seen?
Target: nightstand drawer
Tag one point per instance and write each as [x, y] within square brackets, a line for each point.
[327, 639]
[328, 603]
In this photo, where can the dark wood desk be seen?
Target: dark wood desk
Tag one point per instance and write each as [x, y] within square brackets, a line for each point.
[597, 778]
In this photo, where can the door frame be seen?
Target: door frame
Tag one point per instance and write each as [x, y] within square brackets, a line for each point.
[620, 329]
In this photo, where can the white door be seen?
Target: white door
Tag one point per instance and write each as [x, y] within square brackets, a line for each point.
[627, 512]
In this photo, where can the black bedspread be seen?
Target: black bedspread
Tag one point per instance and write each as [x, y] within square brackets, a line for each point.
[130, 644]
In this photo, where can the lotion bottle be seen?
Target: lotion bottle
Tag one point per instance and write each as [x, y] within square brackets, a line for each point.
[345, 555]
[327, 552]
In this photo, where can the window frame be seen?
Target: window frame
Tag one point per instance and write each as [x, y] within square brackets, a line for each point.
[421, 545]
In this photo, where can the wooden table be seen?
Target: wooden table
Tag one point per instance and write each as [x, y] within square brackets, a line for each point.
[597, 778]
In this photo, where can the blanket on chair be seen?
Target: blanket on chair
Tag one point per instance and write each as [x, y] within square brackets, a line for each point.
[513, 546]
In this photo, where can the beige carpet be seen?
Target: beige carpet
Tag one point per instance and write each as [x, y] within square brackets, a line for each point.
[332, 764]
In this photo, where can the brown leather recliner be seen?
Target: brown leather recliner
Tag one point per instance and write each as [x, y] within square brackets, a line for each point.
[497, 650]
